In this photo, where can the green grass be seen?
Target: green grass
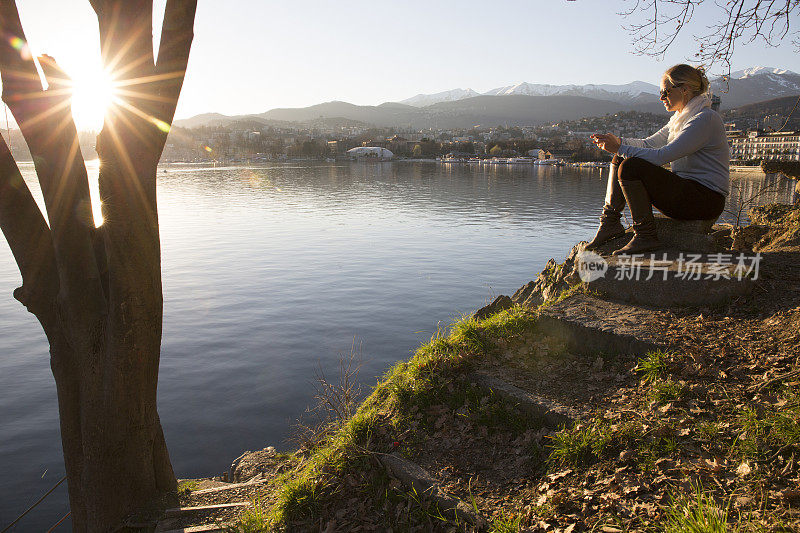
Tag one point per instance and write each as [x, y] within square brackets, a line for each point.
[506, 523]
[427, 511]
[665, 391]
[579, 288]
[586, 443]
[651, 450]
[416, 383]
[708, 431]
[696, 513]
[255, 519]
[653, 366]
[769, 429]
[188, 485]
[581, 445]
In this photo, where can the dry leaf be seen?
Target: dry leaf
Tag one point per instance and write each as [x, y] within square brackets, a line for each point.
[559, 475]
[743, 470]
[712, 464]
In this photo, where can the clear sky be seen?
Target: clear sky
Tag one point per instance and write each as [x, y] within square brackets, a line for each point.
[253, 55]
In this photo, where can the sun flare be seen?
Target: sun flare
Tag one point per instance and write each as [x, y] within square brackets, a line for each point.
[92, 93]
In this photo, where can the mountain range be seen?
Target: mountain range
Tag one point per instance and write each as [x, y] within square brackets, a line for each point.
[614, 93]
[521, 104]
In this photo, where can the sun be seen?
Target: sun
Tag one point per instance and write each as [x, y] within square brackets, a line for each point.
[92, 94]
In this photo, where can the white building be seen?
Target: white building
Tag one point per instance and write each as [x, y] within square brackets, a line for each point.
[373, 153]
[769, 146]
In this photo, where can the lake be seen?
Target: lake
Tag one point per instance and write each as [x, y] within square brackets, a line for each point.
[273, 273]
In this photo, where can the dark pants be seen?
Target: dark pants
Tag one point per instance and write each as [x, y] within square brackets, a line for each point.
[676, 197]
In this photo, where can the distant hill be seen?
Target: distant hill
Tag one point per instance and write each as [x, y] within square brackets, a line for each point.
[422, 100]
[382, 115]
[335, 122]
[205, 119]
[523, 104]
[517, 110]
[256, 122]
[770, 113]
[523, 110]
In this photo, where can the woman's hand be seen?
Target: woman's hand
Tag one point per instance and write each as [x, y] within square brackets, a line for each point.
[607, 141]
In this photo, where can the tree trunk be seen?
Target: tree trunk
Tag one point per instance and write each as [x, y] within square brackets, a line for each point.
[97, 291]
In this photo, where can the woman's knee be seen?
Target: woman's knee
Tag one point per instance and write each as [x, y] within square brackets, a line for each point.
[631, 169]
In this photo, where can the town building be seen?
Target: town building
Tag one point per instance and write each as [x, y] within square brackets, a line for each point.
[764, 145]
[373, 153]
[562, 155]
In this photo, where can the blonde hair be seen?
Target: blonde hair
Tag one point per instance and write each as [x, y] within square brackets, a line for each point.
[693, 78]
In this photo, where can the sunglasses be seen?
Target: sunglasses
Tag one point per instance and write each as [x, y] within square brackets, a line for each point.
[665, 92]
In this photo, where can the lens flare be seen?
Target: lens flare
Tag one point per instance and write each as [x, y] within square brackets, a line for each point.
[20, 46]
[160, 124]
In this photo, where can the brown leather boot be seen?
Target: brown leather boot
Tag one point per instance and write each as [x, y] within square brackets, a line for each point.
[645, 237]
[610, 228]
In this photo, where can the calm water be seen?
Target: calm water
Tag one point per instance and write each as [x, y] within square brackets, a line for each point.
[272, 273]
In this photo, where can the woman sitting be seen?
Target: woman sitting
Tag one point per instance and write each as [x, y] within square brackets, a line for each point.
[695, 145]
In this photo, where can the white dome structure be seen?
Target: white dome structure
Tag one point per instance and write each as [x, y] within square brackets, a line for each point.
[374, 153]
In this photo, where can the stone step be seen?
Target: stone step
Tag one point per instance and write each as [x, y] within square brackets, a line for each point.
[687, 235]
[205, 528]
[591, 326]
[550, 413]
[672, 279]
[230, 486]
[419, 480]
[182, 511]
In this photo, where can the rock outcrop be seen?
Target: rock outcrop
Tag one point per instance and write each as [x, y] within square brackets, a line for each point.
[252, 464]
[701, 264]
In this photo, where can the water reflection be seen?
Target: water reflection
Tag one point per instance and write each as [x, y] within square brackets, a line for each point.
[751, 190]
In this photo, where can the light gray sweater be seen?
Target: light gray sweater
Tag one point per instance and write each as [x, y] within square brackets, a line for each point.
[698, 152]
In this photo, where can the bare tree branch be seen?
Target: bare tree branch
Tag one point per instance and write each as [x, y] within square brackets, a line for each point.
[656, 24]
[646, 37]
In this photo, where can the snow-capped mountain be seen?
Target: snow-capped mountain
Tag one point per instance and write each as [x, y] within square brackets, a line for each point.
[755, 84]
[615, 93]
[422, 100]
[756, 71]
[603, 92]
